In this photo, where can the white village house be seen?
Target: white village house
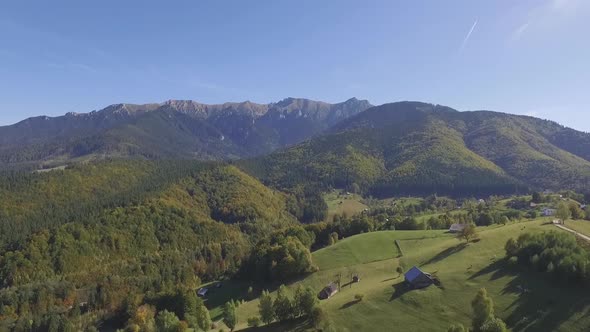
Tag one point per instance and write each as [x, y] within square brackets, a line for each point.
[456, 228]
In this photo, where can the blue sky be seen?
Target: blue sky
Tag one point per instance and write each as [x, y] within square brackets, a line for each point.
[525, 57]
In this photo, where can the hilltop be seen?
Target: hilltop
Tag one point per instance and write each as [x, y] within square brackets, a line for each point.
[418, 148]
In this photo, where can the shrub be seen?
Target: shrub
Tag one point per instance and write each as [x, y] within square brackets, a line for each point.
[254, 322]
[250, 293]
[456, 328]
[318, 316]
[400, 270]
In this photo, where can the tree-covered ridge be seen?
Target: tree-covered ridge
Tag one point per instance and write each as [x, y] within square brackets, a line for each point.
[183, 210]
[36, 201]
[105, 233]
[523, 147]
[33, 201]
[419, 148]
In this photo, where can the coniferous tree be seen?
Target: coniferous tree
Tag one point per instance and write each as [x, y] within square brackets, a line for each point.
[230, 318]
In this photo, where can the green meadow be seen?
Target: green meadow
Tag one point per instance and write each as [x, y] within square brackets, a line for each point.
[546, 305]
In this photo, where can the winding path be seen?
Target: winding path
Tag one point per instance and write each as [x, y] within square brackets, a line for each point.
[587, 238]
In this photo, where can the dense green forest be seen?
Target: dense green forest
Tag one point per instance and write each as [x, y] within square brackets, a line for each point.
[101, 234]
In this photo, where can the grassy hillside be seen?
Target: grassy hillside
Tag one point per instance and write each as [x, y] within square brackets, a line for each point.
[547, 306]
[340, 202]
[581, 226]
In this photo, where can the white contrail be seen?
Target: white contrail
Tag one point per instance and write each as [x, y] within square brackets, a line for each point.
[468, 35]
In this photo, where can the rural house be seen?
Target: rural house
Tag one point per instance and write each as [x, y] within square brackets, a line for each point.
[418, 279]
[549, 212]
[456, 228]
[328, 291]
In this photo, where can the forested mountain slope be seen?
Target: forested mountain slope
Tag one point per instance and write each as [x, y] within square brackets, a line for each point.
[419, 148]
[79, 193]
[174, 129]
[111, 232]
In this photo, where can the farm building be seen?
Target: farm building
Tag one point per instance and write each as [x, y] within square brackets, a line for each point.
[328, 291]
[549, 212]
[456, 228]
[418, 279]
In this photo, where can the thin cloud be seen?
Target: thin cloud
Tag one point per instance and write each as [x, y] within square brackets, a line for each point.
[517, 34]
[466, 39]
[550, 14]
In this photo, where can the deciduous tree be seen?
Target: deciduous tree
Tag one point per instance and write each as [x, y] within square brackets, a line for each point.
[167, 321]
[483, 309]
[468, 233]
[283, 305]
[305, 300]
[265, 308]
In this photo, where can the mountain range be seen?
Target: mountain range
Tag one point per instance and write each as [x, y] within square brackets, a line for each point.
[404, 147]
[172, 129]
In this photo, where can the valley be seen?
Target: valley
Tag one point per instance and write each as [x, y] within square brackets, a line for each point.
[116, 237]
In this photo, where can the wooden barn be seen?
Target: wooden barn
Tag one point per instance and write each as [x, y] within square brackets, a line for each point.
[328, 291]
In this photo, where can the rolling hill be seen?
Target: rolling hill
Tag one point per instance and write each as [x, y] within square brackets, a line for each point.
[181, 129]
[418, 148]
[462, 271]
[208, 192]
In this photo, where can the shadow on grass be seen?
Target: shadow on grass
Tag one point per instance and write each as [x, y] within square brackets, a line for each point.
[394, 278]
[445, 253]
[350, 283]
[296, 325]
[399, 290]
[349, 304]
[543, 303]
[231, 290]
[497, 270]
